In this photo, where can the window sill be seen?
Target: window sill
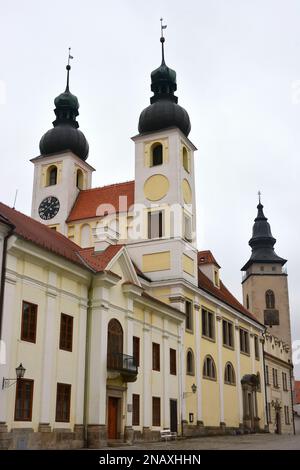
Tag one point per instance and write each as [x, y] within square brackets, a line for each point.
[210, 378]
[191, 374]
[257, 358]
[212, 340]
[228, 347]
[245, 353]
[229, 383]
[187, 330]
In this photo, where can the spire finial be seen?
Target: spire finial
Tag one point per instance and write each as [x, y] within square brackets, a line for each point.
[68, 67]
[162, 40]
[259, 197]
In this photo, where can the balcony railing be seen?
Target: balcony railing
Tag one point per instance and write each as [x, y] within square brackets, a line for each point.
[123, 363]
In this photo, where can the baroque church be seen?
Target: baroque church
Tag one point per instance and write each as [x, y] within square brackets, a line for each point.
[114, 326]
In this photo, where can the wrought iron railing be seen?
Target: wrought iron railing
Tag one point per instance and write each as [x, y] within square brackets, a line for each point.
[122, 362]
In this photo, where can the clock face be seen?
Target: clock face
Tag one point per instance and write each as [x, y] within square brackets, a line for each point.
[48, 208]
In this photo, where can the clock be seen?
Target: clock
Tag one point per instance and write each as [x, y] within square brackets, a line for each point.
[49, 207]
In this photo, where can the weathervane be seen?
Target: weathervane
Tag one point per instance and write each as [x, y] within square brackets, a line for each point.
[259, 197]
[162, 39]
[68, 67]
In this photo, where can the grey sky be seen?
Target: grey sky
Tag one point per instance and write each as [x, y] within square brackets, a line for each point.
[238, 76]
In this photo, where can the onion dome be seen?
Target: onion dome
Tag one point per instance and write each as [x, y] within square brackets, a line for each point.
[164, 110]
[262, 241]
[65, 134]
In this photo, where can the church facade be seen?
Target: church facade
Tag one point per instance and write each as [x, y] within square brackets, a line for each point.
[120, 326]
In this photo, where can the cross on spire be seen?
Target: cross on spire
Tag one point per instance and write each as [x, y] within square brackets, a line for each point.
[259, 197]
[68, 67]
[162, 40]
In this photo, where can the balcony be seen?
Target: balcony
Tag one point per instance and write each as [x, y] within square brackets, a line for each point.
[123, 364]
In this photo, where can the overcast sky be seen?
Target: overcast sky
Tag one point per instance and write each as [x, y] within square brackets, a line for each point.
[238, 76]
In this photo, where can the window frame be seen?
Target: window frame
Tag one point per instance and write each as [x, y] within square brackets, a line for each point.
[155, 356]
[29, 339]
[190, 315]
[209, 325]
[191, 370]
[161, 224]
[232, 374]
[22, 383]
[65, 343]
[213, 368]
[244, 341]
[135, 409]
[173, 361]
[227, 325]
[154, 146]
[156, 407]
[136, 349]
[256, 347]
[59, 418]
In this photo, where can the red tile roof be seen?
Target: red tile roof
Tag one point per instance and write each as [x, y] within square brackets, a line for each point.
[206, 257]
[99, 261]
[297, 392]
[41, 235]
[88, 201]
[223, 294]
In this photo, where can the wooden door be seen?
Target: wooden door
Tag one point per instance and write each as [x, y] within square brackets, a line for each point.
[112, 418]
[173, 415]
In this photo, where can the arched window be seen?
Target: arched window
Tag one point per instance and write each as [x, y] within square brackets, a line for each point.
[156, 154]
[190, 363]
[52, 175]
[247, 302]
[85, 236]
[229, 377]
[185, 160]
[79, 179]
[209, 368]
[270, 299]
[114, 344]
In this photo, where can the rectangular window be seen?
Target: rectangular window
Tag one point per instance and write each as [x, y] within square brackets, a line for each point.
[269, 416]
[256, 347]
[63, 403]
[267, 376]
[155, 224]
[188, 315]
[244, 341]
[287, 415]
[24, 399]
[284, 382]
[136, 350]
[275, 378]
[66, 332]
[155, 411]
[28, 322]
[155, 356]
[208, 324]
[173, 361]
[135, 410]
[227, 333]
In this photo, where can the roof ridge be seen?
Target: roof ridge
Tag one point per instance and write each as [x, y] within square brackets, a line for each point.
[54, 233]
[107, 186]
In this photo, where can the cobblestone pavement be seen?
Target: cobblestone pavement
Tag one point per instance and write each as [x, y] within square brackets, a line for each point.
[246, 442]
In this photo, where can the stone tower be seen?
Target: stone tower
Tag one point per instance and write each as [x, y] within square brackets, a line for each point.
[265, 282]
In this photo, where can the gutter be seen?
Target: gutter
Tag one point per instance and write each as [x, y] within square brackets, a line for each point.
[3, 269]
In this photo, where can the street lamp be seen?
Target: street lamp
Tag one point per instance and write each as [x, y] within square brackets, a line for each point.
[194, 390]
[20, 372]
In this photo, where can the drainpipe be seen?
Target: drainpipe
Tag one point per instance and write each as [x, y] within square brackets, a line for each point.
[292, 398]
[3, 269]
[266, 396]
[87, 355]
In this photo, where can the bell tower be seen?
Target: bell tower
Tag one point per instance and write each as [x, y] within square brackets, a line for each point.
[163, 241]
[265, 285]
[60, 171]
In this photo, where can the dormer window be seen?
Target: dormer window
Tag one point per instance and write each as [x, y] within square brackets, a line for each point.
[156, 154]
[216, 278]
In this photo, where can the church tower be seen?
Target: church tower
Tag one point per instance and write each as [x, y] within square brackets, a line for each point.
[163, 241]
[265, 285]
[60, 171]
